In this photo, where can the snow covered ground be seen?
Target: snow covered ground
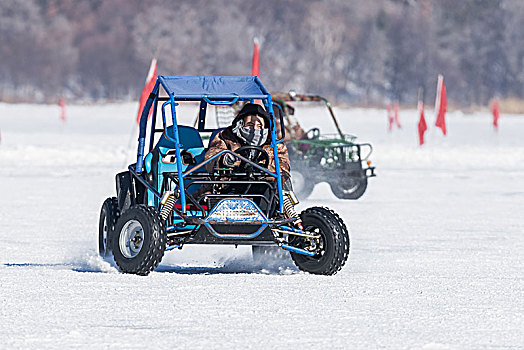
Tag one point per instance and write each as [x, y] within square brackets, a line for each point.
[436, 257]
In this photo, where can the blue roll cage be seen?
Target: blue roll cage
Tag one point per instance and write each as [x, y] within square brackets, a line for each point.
[205, 99]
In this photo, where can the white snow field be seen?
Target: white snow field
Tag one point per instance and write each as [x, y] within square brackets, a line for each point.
[437, 246]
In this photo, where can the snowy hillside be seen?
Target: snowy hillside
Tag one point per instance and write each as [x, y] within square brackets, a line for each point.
[436, 261]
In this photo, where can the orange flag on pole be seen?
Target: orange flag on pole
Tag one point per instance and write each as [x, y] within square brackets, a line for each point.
[397, 118]
[62, 104]
[422, 126]
[150, 84]
[495, 109]
[255, 65]
[441, 104]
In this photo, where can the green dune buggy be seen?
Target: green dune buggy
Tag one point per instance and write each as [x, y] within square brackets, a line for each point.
[315, 157]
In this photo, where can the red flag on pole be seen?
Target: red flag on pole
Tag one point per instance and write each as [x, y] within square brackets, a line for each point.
[397, 119]
[391, 117]
[255, 66]
[62, 104]
[495, 109]
[422, 126]
[150, 84]
[441, 104]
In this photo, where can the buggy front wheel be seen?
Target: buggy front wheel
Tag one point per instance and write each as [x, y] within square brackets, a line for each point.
[331, 249]
[139, 240]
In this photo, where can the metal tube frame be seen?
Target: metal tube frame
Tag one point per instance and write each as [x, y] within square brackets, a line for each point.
[213, 99]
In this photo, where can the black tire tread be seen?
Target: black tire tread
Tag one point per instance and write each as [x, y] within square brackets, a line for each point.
[114, 214]
[341, 238]
[156, 247]
[359, 192]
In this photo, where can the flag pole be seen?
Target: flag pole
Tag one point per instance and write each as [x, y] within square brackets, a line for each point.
[126, 151]
[441, 104]
[150, 80]
[495, 110]
[422, 126]
[255, 63]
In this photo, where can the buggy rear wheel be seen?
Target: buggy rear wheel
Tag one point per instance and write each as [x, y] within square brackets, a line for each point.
[106, 226]
[302, 186]
[139, 241]
[351, 187]
[331, 249]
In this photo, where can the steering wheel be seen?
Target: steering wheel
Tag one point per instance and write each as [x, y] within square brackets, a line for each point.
[255, 154]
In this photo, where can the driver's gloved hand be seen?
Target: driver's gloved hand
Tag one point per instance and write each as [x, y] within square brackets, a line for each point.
[228, 160]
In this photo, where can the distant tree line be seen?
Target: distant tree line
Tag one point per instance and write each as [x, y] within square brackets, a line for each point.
[356, 51]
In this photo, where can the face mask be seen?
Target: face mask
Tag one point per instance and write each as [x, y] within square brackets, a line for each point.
[252, 137]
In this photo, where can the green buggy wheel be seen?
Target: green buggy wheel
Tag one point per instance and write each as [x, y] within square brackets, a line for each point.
[352, 187]
[302, 186]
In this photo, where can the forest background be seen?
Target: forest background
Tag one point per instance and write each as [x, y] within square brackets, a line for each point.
[355, 52]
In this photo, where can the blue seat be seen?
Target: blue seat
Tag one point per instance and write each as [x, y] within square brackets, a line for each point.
[192, 149]
[190, 141]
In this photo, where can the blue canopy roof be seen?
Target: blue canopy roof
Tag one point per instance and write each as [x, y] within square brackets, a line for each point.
[214, 87]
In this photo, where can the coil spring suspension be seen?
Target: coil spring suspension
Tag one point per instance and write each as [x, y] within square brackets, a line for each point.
[168, 202]
[289, 209]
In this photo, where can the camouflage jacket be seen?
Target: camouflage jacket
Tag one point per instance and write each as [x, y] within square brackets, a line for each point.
[227, 140]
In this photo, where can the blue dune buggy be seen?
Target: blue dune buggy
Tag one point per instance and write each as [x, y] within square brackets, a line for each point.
[168, 199]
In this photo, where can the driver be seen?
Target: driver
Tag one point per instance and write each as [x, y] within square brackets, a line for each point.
[249, 128]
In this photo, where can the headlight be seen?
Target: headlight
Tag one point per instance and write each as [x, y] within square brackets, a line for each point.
[236, 210]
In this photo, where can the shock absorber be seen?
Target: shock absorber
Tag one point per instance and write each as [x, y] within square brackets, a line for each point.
[290, 200]
[168, 202]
